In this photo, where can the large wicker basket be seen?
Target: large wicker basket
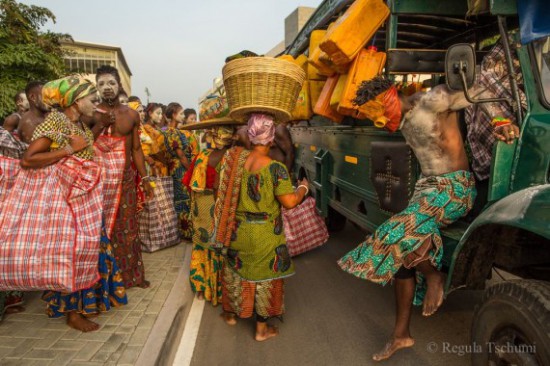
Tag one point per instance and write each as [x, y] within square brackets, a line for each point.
[262, 84]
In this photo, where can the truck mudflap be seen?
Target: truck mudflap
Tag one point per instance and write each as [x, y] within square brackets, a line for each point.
[528, 210]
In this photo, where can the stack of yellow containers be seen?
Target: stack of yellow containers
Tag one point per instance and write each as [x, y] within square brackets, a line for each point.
[340, 54]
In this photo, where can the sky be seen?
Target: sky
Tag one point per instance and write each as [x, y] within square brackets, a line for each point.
[174, 48]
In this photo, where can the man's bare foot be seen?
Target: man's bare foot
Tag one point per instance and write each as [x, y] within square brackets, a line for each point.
[264, 332]
[393, 346]
[79, 322]
[228, 318]
[434, 294]
[144, 284]
[200, 295]
[14, 309]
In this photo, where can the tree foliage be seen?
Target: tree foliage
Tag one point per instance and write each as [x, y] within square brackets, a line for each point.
[26, 52]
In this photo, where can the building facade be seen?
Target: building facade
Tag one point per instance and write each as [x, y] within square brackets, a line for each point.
[85, 58]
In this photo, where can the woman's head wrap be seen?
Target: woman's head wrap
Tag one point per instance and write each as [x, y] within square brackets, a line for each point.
[134, 105]
[261, 129]
[65, 91]
[222, 136]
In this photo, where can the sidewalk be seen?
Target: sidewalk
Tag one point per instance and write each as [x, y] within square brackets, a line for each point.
[31, 338]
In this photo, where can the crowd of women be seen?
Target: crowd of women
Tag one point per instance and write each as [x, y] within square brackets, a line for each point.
[227, 196]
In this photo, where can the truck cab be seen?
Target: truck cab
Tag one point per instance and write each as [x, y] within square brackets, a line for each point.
[363, 174]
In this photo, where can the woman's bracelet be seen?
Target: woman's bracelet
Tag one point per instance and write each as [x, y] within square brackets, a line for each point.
[69, 149]
[307, 189]
[147, 177]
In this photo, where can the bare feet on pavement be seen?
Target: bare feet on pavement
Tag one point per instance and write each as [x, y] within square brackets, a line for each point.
[393, 346]
[434, 294]
[228, 318]
[145, 284]
[264, 332]
[15, 309]
[79, 322]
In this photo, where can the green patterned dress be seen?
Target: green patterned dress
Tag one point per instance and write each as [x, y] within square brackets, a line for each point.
[258, 259]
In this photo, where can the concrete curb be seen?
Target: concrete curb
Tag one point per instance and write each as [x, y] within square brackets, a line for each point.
[161, 345]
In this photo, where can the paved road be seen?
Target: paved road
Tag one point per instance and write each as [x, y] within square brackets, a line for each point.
[335, 319]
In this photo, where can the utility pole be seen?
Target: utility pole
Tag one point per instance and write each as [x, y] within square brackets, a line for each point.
[148, 94]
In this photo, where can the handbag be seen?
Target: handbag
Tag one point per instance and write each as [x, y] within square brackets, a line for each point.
[304, 228]
[158, 221]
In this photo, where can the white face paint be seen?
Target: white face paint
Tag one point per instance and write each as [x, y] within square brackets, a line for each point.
[23, 102]
[86, 106]
[108, 87]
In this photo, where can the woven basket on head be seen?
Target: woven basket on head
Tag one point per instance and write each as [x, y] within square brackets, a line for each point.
[262, 84]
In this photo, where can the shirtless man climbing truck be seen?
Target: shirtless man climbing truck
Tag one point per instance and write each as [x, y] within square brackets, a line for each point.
[410, 240]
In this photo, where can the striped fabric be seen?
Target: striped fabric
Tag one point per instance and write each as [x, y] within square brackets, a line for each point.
[50, 225]
[50, 219]
[304, 228]
[158, 221]
[110, 155]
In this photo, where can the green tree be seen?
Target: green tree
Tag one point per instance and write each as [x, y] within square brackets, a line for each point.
[26, 52]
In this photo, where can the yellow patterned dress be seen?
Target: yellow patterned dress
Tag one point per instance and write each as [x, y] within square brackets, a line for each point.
[205, 271]
[109, 290]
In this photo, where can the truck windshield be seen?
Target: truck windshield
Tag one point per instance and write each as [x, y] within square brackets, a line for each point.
[542, 55]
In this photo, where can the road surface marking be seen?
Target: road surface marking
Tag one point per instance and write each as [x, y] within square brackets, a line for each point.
[190, 333]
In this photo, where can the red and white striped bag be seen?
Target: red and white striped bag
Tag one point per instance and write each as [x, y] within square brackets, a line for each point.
[304, 228]
[50, 223]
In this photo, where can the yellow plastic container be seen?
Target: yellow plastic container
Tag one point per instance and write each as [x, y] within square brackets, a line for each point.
[368, 64]
[322, 70]
[303, 111]
[327, 61]
[322, 107]
[286, 57]
[302, 62]
[314, 39]
[315, 89]
[338, 91]
[353, 30]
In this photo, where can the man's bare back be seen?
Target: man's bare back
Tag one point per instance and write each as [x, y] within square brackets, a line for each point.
[28, 123]
[431, 128]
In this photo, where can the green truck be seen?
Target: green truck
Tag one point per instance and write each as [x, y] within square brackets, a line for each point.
[362, 174]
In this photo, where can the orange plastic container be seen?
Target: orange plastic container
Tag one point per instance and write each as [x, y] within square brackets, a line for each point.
[368, 64]
[303, 111]
[322, 107]
[315, 89]
[354, 29]
[315, 38]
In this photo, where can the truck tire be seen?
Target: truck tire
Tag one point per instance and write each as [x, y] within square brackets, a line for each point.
[335, 220]
[512, 325]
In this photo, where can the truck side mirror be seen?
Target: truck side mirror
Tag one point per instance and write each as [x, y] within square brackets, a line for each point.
[460, 66]
[460, 72]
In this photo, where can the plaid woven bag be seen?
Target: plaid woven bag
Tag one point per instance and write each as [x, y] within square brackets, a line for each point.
[304, 228]
[50, 225]
[158, 221]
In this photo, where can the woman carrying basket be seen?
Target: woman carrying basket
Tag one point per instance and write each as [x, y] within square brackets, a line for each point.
[249, 228]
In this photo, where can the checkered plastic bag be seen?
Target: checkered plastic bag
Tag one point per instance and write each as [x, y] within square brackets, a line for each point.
[304, 228]
[50, 225]
[158, 221]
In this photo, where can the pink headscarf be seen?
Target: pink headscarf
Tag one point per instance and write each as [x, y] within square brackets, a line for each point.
[261, 129]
